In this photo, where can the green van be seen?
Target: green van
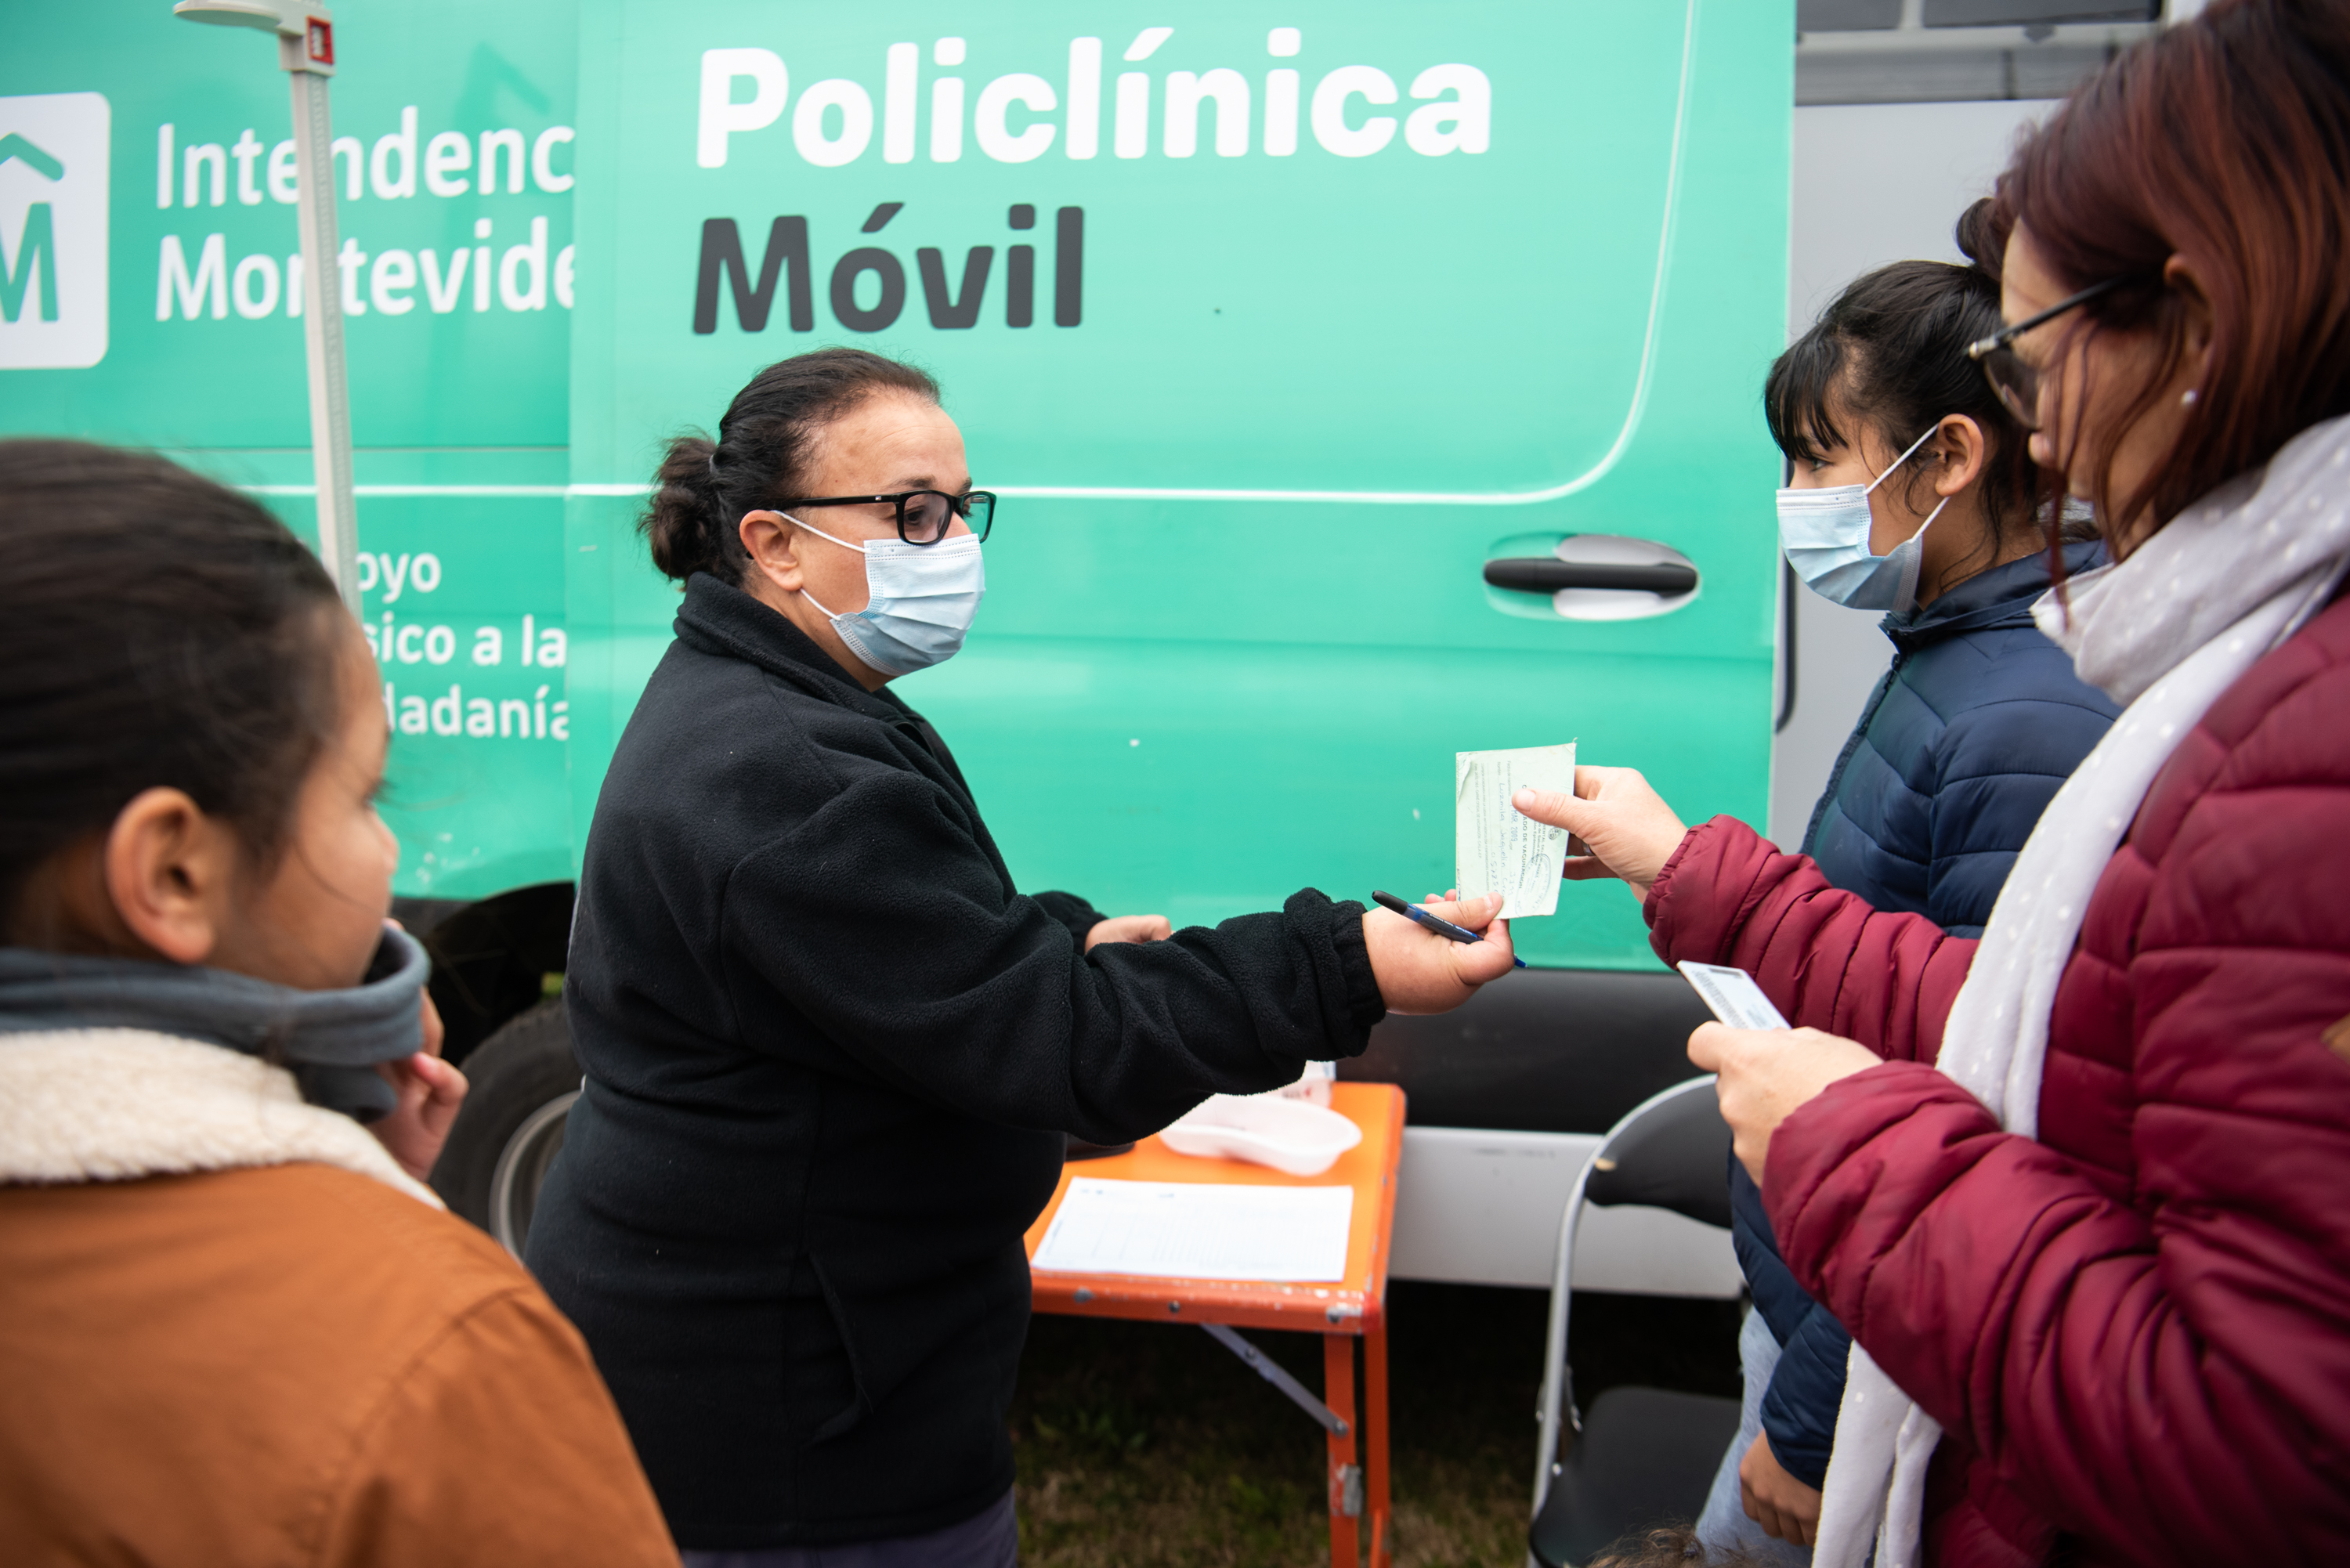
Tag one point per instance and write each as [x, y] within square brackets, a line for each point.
[1363, 383]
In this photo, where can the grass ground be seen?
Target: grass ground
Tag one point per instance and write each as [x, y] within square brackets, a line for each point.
[1150, 1446]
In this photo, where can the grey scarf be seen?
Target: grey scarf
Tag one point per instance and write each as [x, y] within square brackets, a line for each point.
[330, 1040]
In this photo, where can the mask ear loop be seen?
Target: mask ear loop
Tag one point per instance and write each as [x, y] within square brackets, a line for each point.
[859, 548]
[1917, 557]
[821, 534]
[1898, 462]
[1915, 564]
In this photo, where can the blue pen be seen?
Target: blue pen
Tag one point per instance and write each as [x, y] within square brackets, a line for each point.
[1442, 927]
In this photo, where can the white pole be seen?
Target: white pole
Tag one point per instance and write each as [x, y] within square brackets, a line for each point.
[306, 50]
[322, 318]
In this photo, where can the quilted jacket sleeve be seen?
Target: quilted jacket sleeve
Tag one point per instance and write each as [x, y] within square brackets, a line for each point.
[1799, 1408]
[1825, 956]
[2138, 1324]
[1996, 767]
[1806, 1386]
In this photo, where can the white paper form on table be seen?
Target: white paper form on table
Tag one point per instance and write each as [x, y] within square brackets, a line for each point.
[1495, 849]
[1199, 1231]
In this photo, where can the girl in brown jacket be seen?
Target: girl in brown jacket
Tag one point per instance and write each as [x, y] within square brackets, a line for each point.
[236, 1327]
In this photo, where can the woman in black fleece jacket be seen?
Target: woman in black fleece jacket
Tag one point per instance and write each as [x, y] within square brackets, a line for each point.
[831, 1051]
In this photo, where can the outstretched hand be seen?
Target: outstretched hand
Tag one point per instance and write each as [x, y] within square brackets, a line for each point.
[1626, 827]
[1420, 972]
[430, 1091]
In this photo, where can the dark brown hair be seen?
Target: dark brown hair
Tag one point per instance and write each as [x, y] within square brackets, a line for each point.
[2225, 142]
[1891, 351]
[156, 630]
[760, 457]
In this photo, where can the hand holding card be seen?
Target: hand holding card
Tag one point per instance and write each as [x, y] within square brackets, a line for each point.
[1496, 847]
[1732, 995]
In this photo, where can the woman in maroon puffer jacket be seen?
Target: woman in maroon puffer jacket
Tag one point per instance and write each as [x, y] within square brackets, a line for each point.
[2081, 1189]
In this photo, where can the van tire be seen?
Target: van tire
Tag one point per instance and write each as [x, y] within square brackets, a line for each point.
[523, 1080]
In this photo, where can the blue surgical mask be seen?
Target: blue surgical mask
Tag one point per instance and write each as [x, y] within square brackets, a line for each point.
[921, 601]
[1825, 534]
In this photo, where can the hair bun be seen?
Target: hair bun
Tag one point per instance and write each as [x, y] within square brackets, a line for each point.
[1976, 234]
[680, 526]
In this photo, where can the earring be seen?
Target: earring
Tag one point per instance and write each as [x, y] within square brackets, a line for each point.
[2186, 398]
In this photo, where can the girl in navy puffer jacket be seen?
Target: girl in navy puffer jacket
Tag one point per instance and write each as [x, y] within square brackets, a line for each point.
[1963, 742]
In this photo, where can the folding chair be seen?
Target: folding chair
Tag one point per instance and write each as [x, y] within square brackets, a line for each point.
[1642, 1456]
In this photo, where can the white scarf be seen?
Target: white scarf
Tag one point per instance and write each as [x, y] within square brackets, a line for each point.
[2165, 632]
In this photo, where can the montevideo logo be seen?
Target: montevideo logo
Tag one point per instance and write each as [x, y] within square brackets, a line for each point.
[53, 231]
[1010, 120]
[37, 241]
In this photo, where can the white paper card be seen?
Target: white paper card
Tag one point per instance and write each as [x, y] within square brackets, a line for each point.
[1732, 995]
[1199, 1231]
[1494, 849]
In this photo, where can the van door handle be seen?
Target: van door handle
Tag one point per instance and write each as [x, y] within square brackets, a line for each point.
[1542, 575]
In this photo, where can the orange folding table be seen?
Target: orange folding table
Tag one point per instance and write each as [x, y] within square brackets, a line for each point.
[1343, 1312]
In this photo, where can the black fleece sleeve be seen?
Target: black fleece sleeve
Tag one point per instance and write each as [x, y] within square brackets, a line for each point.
[1072, 911]
[881, 921]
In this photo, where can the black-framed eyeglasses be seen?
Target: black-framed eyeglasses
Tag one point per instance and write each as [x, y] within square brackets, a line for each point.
[923, 515]
[2016, 381]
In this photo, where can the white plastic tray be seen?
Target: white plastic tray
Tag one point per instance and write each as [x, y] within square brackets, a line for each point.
[1292, 1136]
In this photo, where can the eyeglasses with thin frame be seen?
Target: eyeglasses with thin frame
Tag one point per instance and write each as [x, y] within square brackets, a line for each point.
[923, 515]
[2014, 379]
